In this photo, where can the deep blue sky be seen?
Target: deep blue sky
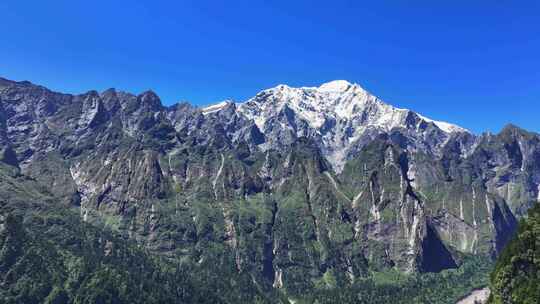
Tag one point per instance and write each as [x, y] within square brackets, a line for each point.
[474, 63]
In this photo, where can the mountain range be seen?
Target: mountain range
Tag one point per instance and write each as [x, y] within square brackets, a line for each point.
[296, 188]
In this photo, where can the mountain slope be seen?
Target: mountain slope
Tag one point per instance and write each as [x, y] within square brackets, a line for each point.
[291, 189]
[49, 255]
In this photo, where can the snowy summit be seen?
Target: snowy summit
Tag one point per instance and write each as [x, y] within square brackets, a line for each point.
[335, 86]
[340, 115]
[338, 99]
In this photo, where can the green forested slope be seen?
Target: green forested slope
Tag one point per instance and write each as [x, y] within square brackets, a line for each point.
[516, 278]
[48, 255]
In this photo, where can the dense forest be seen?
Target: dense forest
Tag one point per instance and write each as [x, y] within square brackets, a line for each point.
[516, 276]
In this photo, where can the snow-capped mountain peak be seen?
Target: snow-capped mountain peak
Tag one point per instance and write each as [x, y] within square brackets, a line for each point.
[313, 104]
[337, 114]
[338, 99]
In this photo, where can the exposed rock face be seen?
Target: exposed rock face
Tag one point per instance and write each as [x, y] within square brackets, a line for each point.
[293, 182]
[476, 297]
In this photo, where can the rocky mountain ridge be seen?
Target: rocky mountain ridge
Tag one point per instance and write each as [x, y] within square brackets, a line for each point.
[296, 185]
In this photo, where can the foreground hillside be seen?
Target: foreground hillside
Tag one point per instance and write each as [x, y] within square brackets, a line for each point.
[516, 278]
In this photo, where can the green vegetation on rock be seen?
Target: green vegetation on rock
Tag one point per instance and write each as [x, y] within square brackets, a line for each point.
[516, 278]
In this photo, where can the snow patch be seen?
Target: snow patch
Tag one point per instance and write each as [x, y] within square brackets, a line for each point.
[461, 210]
[375, 213]
[278, 278]
[445, 126]
[335, 86]
[214, 108]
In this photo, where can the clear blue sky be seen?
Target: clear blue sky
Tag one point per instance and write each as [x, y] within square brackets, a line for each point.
[474, 63]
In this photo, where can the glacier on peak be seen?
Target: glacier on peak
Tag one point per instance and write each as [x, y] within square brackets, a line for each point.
[340, 116]
[338, 100]
[335, 86]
